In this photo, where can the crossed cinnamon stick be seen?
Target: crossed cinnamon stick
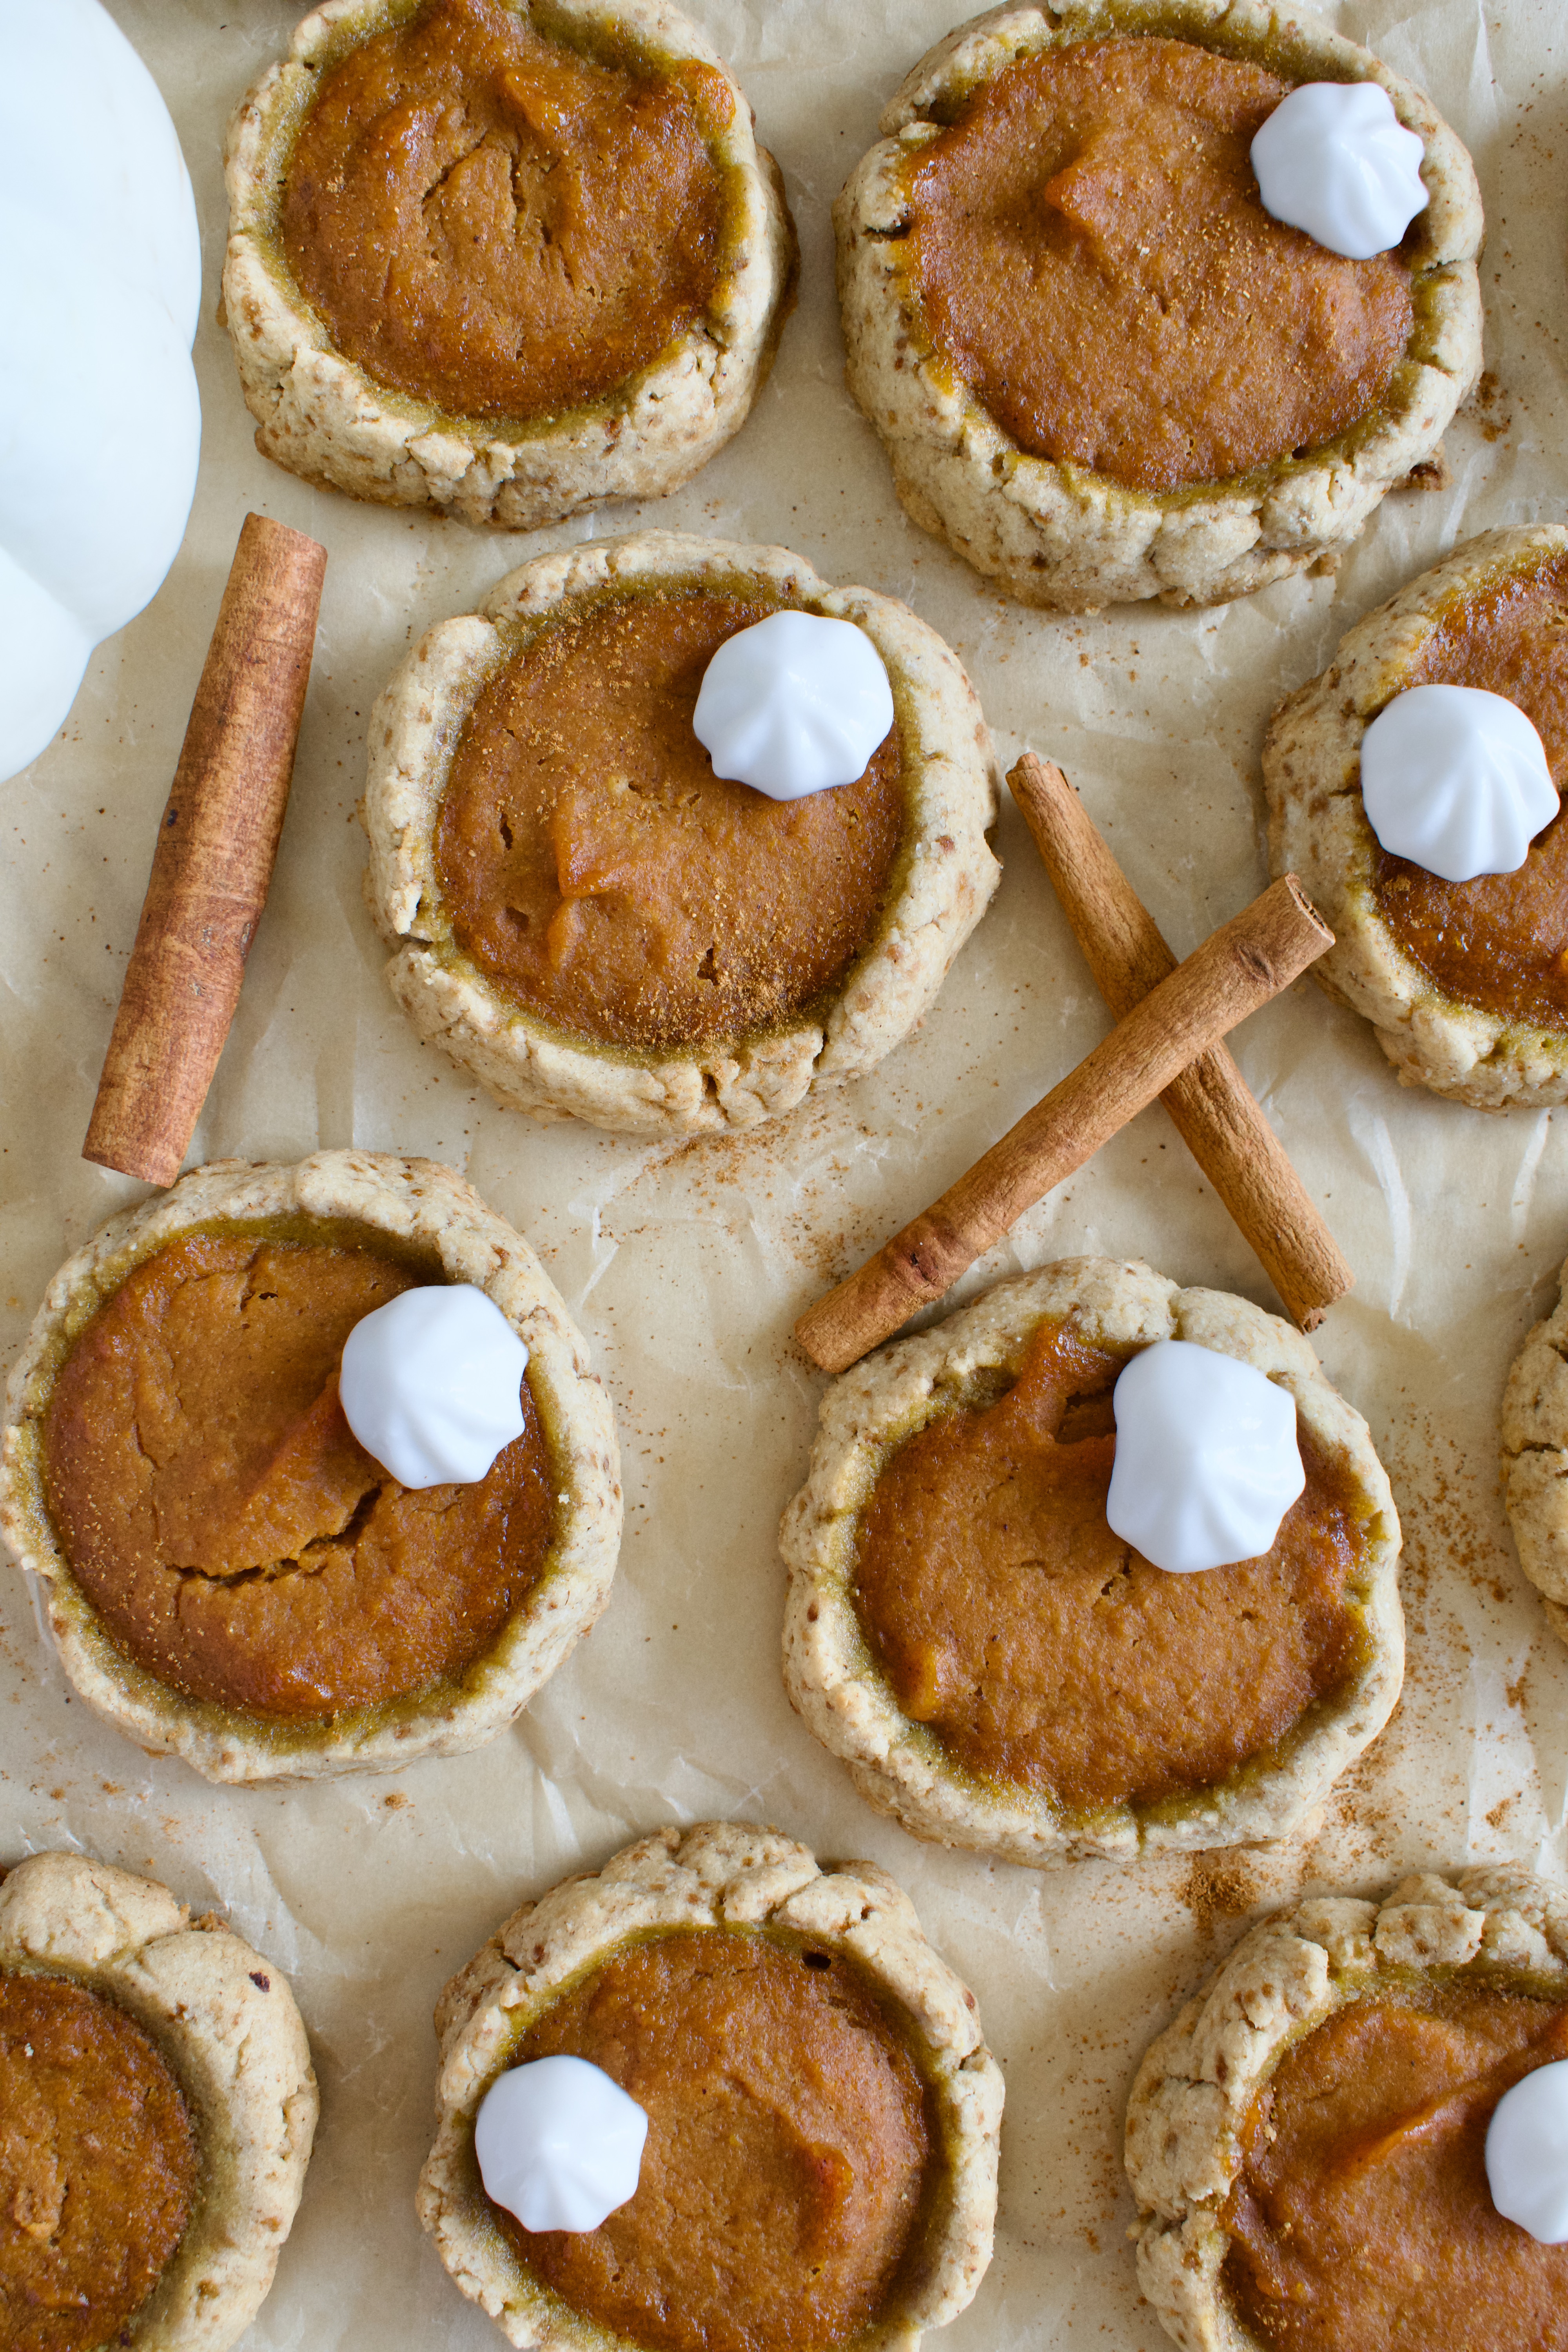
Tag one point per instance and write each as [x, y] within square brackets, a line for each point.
[1171, 1019]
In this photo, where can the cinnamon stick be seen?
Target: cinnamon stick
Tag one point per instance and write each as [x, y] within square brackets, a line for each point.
[1215, 1112]
[1243, 964]
[214, 859]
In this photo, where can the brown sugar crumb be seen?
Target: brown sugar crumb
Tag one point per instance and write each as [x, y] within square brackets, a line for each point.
[234, 1537]
[1088, 250]
[790, 2148]
[1500, 941]
[98, 2167]
[1360, 2219]
[600, 874]
[1042, 1651]
[486, 219]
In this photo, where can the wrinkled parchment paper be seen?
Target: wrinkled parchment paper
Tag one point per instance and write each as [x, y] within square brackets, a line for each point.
[686, 1265]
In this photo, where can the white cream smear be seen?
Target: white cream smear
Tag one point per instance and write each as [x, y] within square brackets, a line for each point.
[559, 2144]
[796, 704]
[1457, 781]
[1207, 1459]
[1334, 159]
[1527, 2154]
[431, 1384]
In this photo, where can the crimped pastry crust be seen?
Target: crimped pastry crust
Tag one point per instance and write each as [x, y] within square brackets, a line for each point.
[952, 781]
[415, 1199]
[719, 1874]
[1289, 1974]
[896, 1764]
[1071, 540]
[324, 417]
[225, 2020]
[1535, 1458]
[1319, 830]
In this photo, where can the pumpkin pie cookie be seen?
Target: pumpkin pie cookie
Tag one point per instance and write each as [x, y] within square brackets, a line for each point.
[1535, 1458]
[1102, 370]
[1465, 983]
[502, 260]
[157, 2112]
[998, 1668]
[820, 2165]
[589, 919]
[1306, 2141]
[227, 1571]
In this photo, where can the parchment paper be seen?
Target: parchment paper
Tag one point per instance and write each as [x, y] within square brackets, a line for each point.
[687, 1265]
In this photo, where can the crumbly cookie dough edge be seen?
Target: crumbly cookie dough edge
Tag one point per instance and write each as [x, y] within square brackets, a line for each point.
[842, 1700]
[321, 417]
[1191, 2093]
[1319, 830]
[949, 879]
[1066, 539]
[1535, 1451]
[717, 1874]
[407, 1198]
[227, 2020]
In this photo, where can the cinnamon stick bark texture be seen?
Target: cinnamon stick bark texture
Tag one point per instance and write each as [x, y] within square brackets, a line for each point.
[213, 864]
[1243, 964]
[1216, 1115]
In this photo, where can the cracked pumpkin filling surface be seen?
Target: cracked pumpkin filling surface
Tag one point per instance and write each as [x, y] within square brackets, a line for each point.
[233, 1536]
[1088, 250]
[604, 878]
[1360, 2219]
[1043, 1651]
[488, 219]
[98, 2167]
[792, 2147]
[1500, 941]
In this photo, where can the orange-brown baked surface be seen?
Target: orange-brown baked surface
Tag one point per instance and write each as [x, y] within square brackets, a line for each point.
[600, 874]
[98, 2167]
[488, 219]
[1089, 251]
[1042, 1651]
[790, 2149]
[232, 1534]
[1499, 942]
[1360, 2219]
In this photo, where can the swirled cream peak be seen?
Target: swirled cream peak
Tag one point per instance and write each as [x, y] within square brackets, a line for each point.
[1527, 2154]
[796, 704]
[431, 1384]
[1206, 1460]
[559, 2144]
[1457, 781]
[1334, 159]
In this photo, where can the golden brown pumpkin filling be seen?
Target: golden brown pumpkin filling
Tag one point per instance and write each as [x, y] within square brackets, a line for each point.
[598, 871]
[489, 220]
[1499, 942]
[1089, 251]
[789, 2150]
[1043, 1650]
[98, 2167]
[234, 1537]
[1360, 2219]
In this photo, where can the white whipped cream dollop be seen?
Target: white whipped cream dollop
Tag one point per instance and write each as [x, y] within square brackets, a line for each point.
[1457, 781]
[1334, 159]
[559, 2144]
[1206, 1460]
[431, 1384]
[796, 704]
[1527, 2154]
